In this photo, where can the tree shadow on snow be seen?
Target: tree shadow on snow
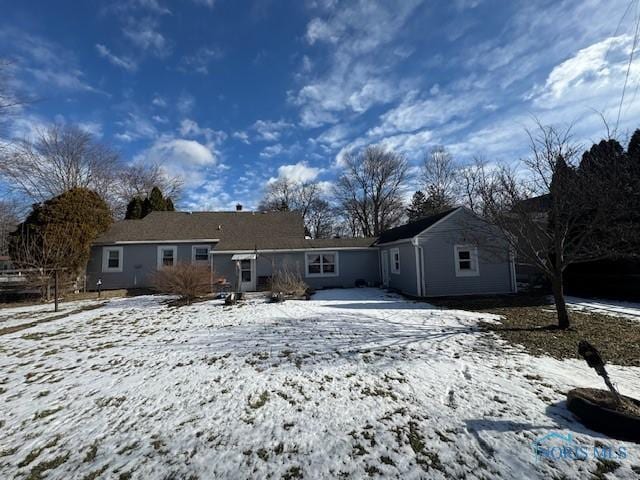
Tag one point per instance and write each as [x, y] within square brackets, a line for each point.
[345, 335]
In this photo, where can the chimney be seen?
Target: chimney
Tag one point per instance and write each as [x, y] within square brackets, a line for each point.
[238, 207]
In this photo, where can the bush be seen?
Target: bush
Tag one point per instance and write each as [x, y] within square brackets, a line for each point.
[288, 282]
[186, 280]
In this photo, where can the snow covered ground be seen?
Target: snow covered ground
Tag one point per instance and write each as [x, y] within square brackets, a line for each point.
[606, 307]
[353, 383]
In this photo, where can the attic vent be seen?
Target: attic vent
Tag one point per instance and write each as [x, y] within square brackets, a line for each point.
[220, 227]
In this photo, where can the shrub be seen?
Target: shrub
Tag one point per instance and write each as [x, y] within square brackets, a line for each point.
[184, 279]
[288, 282]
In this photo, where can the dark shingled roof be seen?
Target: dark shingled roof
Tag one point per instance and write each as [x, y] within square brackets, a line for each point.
[234, 230]
[411, 229]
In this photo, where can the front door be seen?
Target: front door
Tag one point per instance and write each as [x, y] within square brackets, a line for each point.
[385, 268]
[247, 275]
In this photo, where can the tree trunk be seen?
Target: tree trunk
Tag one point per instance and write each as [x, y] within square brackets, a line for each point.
[561, 306]
[55, 290]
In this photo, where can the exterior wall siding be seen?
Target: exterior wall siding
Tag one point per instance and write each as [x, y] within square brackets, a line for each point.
[405, 281]
[495, 274]
[139, 262]
[352, 265]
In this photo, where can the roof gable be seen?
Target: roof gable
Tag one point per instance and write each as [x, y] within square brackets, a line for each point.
[411, 229]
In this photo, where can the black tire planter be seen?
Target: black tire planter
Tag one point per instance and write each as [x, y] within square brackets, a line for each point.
[615, 424]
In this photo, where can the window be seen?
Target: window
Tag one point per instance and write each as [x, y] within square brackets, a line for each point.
[466, 258]
[112, 259]
[245, 270]
[167, 256]
[395, 260]
[321, 264]
[200, 254]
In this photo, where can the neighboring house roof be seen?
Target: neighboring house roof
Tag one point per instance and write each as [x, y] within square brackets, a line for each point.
[411, 229]
[539, 204]
[234, 231]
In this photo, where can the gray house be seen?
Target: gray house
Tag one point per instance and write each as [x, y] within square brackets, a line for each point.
[439, 255]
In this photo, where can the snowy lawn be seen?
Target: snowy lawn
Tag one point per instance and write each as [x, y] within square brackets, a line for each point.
[614, 308]
[353, 383]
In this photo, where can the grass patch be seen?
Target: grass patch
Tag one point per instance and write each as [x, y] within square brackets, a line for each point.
[38, 470]
[91, 453]
[604, 467]
[261, 401]
[17, 328]
[526, 322]
[46, 413]
[292, 473]
[96, 473]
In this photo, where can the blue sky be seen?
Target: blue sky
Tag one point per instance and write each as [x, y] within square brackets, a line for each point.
[230, 94]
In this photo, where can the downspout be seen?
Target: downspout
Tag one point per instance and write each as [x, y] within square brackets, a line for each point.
[416, 250]
[512, 268]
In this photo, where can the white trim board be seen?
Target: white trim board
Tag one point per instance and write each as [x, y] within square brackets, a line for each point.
[285, 250]
[152, 242]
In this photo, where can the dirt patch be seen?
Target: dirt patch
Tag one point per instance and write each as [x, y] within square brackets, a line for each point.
[528, 320]
[606, 399]
[617, 339]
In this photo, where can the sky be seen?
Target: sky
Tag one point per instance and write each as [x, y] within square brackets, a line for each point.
[231, 94]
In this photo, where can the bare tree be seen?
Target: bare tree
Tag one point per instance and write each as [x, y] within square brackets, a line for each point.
[139, 180]
[8, 223]
[285, 194]
[469, 180]
[439, 178]
[44, 256]
[320, 219]
[60, 158]
[370, 190]
[554, 213]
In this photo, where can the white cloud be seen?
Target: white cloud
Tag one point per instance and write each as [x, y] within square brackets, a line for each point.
[205, 3]
[41, 63]
[272, 150]
[159, 101]
[136, 126]
[122, 62]
[297, 172]
[200, 60]
[144, 35]
[356, 79]
[94, 128]
[190, 128]
[185, 103]
[242, 136]
[269, 130]
[596, 65]
[188, 159]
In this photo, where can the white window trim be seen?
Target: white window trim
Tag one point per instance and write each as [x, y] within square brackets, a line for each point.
[161, 248]
[321, 274]
[473, 257]
[393, 252]
[105, 259]
[193, 254]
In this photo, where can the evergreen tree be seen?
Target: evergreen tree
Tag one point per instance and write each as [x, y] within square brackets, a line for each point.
[634, 148]
[134, 209]
[418, 207]
[169, 205]
[147, 208]
[68, 224]
[158, 203]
